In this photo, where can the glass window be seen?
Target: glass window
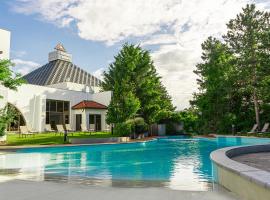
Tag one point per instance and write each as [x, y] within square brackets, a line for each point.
[57, 112]
[66, 119]
[53, 106]
[91, 119]
[66, 106]
[47, 105]
[47, 117]
[60, 107]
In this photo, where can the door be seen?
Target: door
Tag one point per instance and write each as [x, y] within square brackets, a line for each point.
[98, 122]
[78, 122]
[95, 119]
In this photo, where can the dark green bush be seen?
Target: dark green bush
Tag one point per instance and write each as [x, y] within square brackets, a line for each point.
[7, 115]
[140, 125]
[123, 129]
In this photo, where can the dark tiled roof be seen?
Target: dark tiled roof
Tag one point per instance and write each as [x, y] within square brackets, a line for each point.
[89, 104]
[59, 71]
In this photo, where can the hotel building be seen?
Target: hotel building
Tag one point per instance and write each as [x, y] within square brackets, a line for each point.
[58, 92]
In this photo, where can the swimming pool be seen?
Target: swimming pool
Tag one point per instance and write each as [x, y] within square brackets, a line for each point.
[175, 162]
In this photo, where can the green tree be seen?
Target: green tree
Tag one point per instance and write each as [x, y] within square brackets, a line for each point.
[10, 80]
[246, 37]
[234, 76]
[136, 86]
[216, 86]
[189, 118]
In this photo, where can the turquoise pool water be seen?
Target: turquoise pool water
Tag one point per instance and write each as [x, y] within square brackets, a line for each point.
[174, 162]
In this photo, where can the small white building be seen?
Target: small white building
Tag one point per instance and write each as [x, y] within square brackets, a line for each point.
[59, 92]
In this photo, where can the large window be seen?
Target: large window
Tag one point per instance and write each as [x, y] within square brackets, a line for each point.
[57, 112]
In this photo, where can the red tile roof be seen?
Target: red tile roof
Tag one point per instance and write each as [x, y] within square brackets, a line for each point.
[89, 104]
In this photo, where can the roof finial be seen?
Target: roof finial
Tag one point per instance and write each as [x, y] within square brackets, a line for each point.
[60, 53]
[60, 47]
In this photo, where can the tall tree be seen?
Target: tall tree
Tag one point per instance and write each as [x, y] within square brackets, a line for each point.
[133, 75]
[124, 104]
[215, 98]
[246, 34]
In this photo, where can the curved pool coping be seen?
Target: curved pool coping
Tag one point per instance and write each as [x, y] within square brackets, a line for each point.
[14, 148]
[4, 149]
[7, 148]
[232, 174]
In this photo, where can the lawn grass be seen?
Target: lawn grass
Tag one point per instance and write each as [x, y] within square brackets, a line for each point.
[51, 138]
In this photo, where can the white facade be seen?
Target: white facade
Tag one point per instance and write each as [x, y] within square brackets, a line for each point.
[4, 44]
[30, 100]
[33, 100]
[75, 87]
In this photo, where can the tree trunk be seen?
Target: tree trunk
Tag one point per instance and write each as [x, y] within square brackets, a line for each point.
[255, 97]
[256, 108]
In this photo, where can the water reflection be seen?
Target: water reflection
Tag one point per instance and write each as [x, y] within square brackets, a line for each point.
[177, 164]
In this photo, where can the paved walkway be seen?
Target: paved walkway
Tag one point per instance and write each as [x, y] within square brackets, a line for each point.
[28, 190]
[257, 160]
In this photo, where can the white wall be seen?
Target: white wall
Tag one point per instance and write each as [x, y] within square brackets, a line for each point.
[4, 44]
[31, 101]
[102, 97]
[72, 86]
[85, 116]
[75, 86]
[97, 112]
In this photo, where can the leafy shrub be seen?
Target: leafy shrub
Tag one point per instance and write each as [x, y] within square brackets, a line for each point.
[140, 125]
[7, 116]
[123, 129]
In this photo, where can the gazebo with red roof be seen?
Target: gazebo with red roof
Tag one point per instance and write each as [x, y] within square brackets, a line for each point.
[91, 113]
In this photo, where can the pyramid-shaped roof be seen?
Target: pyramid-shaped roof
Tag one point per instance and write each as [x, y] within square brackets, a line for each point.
[60, 69]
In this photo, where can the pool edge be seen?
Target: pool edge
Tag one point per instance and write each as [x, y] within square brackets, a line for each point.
[246, 181]
[15, 148]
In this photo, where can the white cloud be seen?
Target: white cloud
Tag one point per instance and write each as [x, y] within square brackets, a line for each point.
[18, 53]
[175, 27]
[24, 66]
[99, 73]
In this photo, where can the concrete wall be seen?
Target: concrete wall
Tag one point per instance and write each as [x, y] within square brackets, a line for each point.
[242, 186]
[31, 101]
[248, 182]
[99, 140]
[4, 44]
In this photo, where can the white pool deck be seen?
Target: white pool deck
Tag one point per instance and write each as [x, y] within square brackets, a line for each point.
[30, 190]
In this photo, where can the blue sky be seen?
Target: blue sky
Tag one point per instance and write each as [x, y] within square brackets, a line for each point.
[93, 32]
[32, 39]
